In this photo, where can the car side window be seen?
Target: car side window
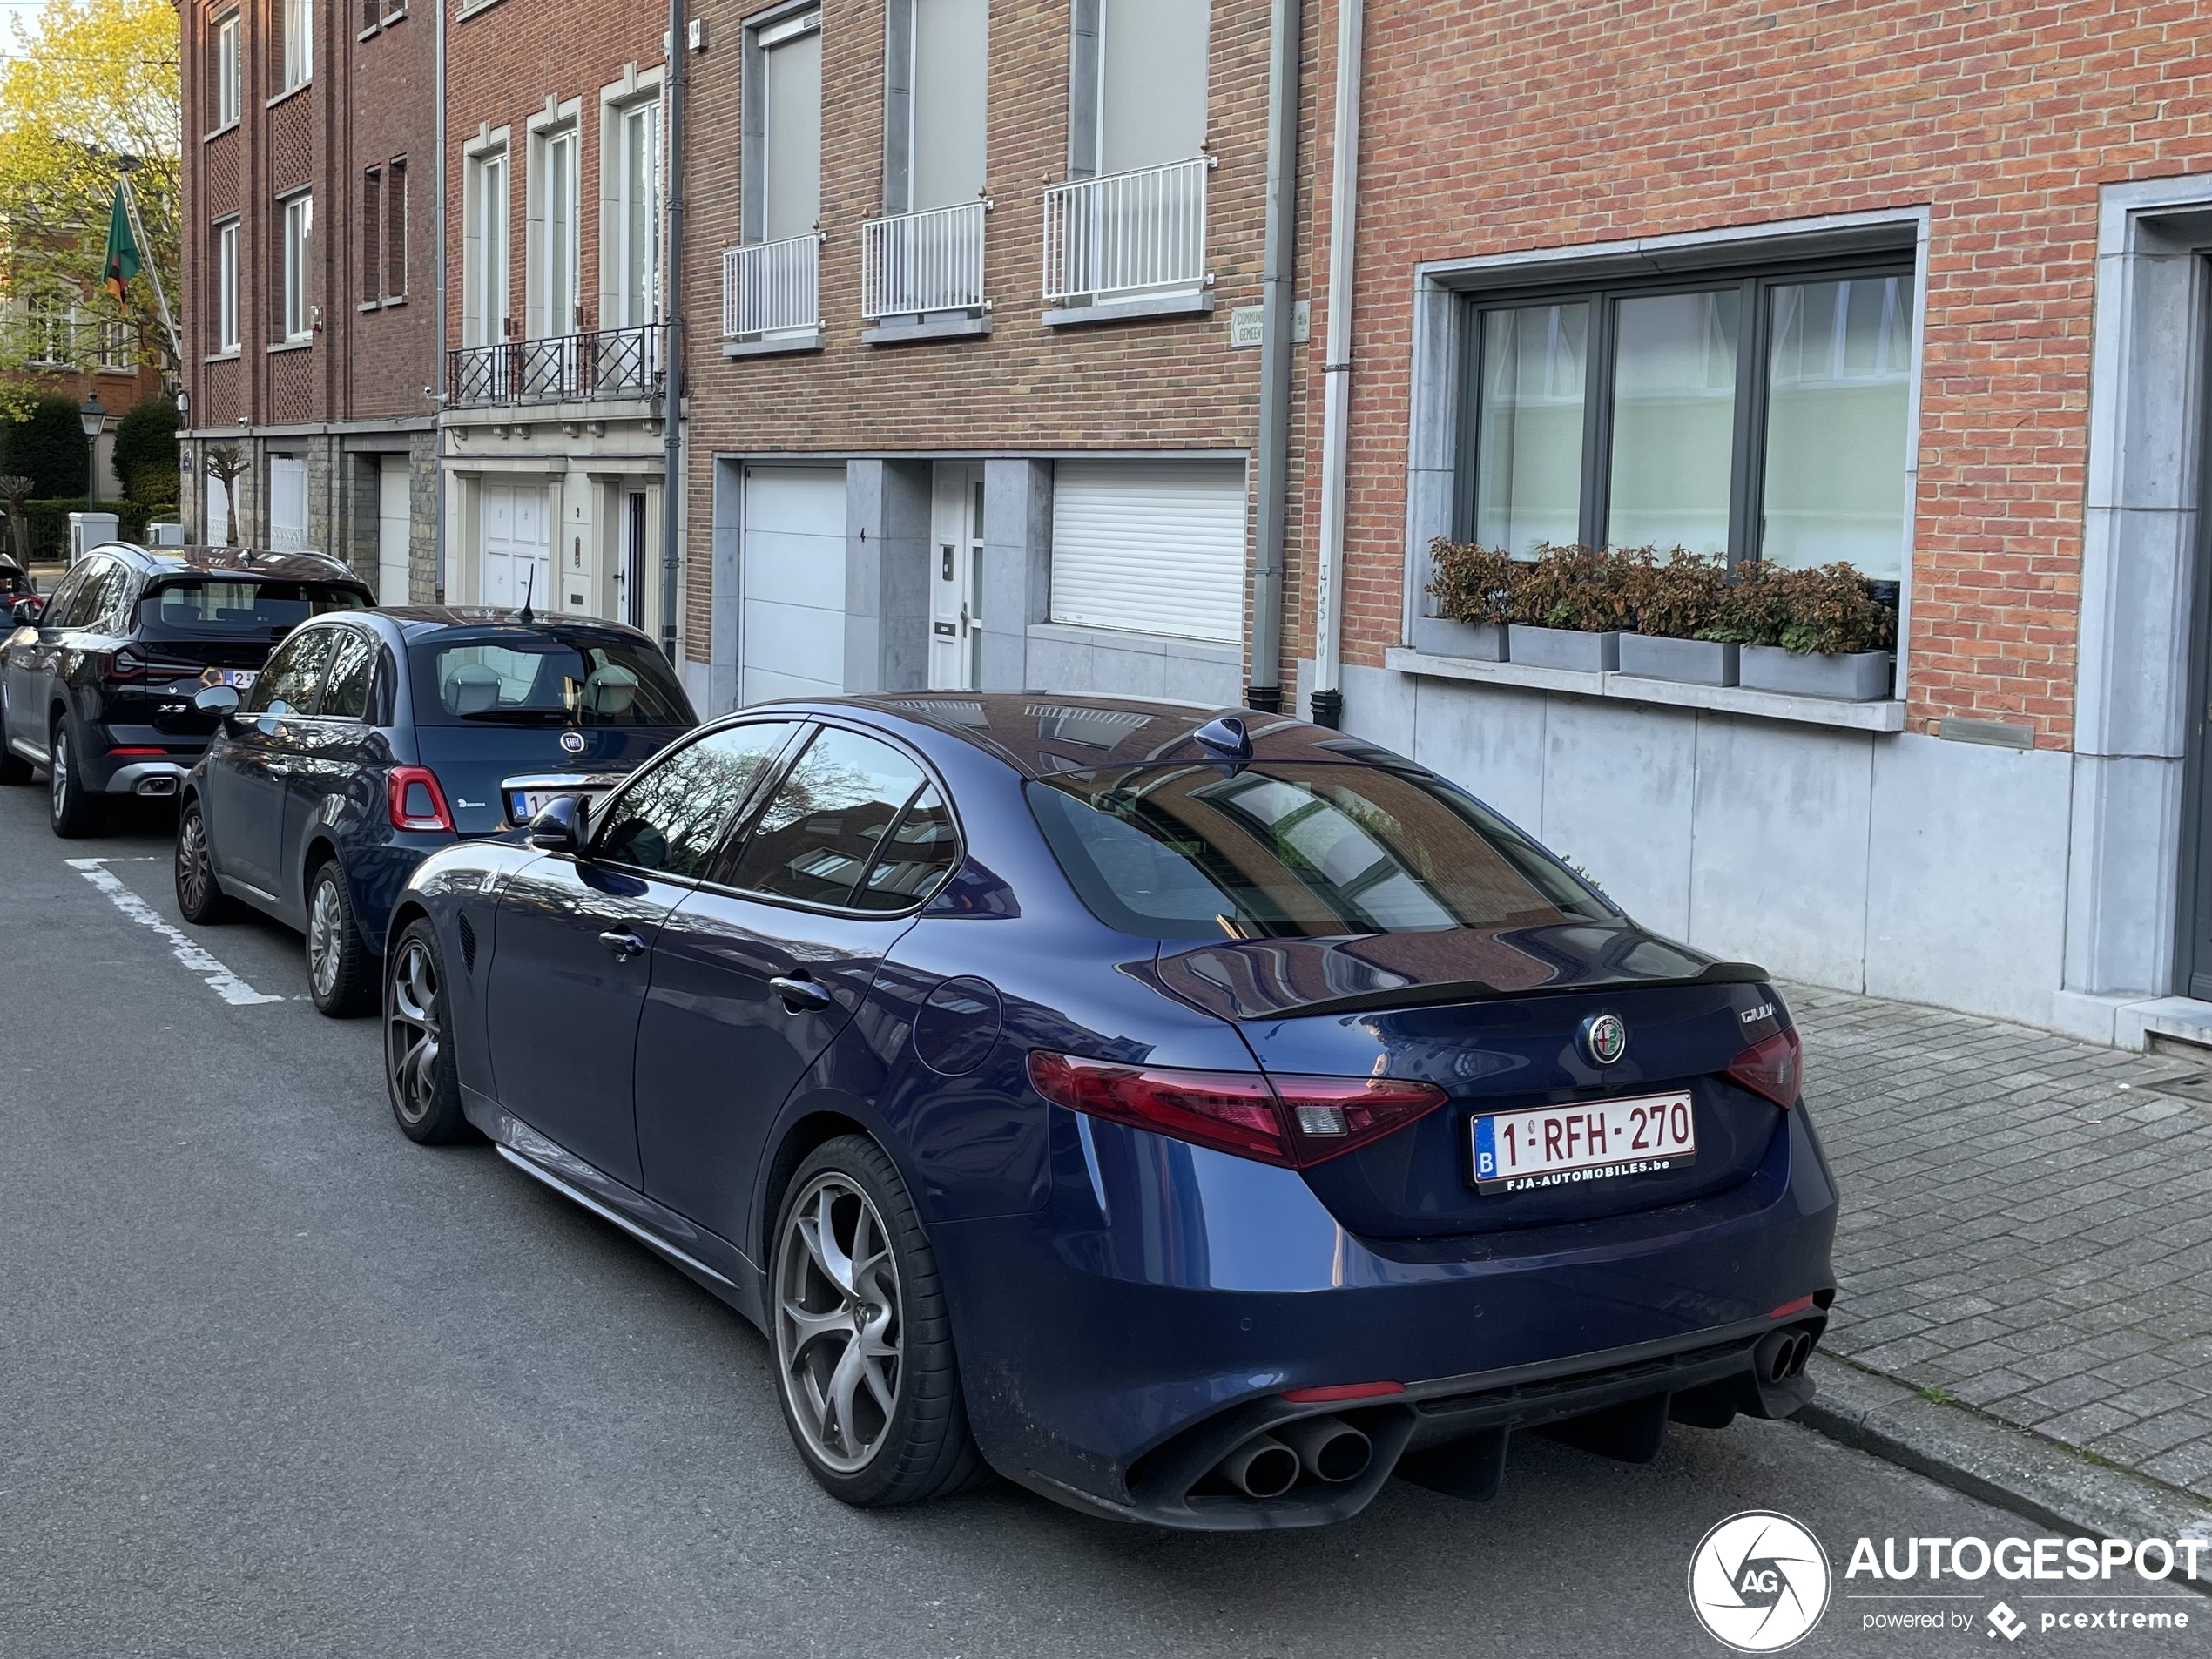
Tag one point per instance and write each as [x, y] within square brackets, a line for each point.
[345, 693]
[914, 861]
[64, 596]
[828, 820]
[95, 595]
[670, 819]
[293, 672]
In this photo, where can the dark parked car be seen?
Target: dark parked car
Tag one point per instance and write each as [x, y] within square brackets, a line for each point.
[1197, 1120]
[372, 739]
[96, 682]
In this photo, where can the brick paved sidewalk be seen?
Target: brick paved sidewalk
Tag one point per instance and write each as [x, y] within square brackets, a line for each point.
[2027, 1223]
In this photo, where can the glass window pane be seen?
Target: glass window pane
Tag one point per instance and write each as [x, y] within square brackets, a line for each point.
[824, 824]
[288, 682]
[1529, 427]
[1674, 421]
[1839, 370]
[916, 860]
[670, 819]
[345, 694]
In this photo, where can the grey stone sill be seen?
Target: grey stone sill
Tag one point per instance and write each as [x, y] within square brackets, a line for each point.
[214, 133]
[230, 356]
[470, 8]
[289, 345]
[289, 92]
[1887, 715]
[1076, 633]
[772, 347]
[900, 333]
[1199, 303]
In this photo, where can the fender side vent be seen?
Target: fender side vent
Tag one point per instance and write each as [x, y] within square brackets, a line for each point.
[467, 943]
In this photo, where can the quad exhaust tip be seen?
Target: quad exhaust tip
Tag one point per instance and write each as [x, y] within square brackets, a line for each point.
[1326, 1449]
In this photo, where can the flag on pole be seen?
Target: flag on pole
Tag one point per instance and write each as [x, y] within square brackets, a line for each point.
[122, 249]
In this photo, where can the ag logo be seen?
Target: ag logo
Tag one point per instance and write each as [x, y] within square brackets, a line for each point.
[1758, 1581]
[1605, 1039]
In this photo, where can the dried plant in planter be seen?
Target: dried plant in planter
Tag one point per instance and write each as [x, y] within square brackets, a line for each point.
[1471, 584]
[1584, 589]
[1676, 595]
[1828, 609]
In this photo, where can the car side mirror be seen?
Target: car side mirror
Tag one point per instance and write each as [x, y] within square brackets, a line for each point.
[26, 612]
[216, 699]
[559, 828]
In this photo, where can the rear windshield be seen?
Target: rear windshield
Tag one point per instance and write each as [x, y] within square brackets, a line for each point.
[1279, 849]
[210, 607]
[546, 678]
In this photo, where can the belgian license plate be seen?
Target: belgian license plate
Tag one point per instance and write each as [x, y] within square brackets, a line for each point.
[1595, 1139]
[241, 678]
[526, 803]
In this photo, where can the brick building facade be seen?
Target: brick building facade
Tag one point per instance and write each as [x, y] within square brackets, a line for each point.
[1999, 217]
[308, 313]
[552, 424]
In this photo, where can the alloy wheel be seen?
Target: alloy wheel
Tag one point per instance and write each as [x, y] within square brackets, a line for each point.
[58, 773]
[411, 1044]
[326, 925]
[838, 1331]
[194, 871]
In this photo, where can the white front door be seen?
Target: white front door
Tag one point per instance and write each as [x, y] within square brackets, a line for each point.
[791, 622]
[287, 504]
[392, 530]
[516, 558]
[956, 579]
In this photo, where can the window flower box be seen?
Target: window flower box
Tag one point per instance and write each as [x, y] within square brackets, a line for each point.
[1441, 636]
[1569, 648]
[1695, 662]
[1850, 676]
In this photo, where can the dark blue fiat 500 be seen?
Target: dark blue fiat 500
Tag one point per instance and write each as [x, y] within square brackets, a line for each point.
[1198, 1120]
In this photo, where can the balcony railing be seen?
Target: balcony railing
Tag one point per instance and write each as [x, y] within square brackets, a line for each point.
[771, 289]
[918, 263]
[567, 368]
[1127, 233]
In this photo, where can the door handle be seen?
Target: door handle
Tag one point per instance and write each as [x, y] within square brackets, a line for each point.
[625, 946]
[801, 995]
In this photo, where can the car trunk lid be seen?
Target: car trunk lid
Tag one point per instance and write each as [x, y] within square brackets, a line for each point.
[472, 762]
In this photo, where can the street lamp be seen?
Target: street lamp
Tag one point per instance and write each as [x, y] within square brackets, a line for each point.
[94, 418]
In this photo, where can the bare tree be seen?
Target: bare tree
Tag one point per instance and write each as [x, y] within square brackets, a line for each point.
[225, 463]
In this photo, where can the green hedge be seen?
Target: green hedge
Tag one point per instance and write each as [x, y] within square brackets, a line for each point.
[50, 523]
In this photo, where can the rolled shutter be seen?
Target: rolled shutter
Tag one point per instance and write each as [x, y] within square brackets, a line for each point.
[1154, 547]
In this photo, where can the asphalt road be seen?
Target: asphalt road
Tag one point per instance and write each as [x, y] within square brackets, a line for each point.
[274, 1381]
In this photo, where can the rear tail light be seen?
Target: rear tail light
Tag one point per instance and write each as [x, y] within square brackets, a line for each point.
[1292, 1122]
[1773, 1068]
[123, 663]
[415, 800]
[137, 751]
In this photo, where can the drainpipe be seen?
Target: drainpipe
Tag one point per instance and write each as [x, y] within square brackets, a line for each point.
[671, 409]
[434, 394]
[1336, 371]
[1277, 292]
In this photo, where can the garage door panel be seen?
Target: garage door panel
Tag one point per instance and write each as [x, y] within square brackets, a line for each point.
[795, 639]
[809, 500]
[763, 684]
[792, 625]
[793, 569]
[1151, 547]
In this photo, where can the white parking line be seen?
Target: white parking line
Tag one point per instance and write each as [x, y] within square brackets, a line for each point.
[220, 980]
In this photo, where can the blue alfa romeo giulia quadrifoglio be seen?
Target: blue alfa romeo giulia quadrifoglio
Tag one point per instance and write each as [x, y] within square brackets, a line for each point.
[1196, 1119]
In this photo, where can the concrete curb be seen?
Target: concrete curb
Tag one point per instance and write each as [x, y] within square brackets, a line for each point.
[2012, 1468]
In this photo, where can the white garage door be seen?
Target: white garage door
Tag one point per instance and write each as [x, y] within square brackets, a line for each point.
[512, 563]
[394, 484]
[1157, 546]
[791, 639]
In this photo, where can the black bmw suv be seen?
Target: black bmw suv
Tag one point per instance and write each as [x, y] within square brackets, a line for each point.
[97, 681]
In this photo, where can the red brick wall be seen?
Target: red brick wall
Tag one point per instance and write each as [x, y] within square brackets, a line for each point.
[1492, 127]
[1154, 385]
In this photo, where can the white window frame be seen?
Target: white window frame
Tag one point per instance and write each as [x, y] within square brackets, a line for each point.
[487, 296]
[113, 354]
[299, 248]
[226, 339]
[621, 304]
[556, 140]
[50, 321]
[227, 71]
[299, 55]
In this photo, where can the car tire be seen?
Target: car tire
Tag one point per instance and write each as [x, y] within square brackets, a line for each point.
[342, 975]
[419, 1075]
[72, 811]
[200, 898]
[890, 1306]
[14, 769]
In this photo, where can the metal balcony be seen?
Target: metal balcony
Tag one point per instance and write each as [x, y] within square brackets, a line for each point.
[913, 264]
[566, 368]
[771, 289]
[1126, 235]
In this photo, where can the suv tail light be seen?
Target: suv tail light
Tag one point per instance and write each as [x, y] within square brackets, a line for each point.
[1290, 1121]
[415, 800]
[123, 663]
[1774, 1067]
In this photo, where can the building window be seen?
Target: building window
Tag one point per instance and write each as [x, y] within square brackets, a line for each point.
[638, 215]
[935, 95]
[395, 230]
[226, 287]
[1761, 417]
[484, 298]
[372, 235]
[789, 182]
[1139, 92]
[298, 249]
[227, 71]
[550, 274]
[118, 341]
[48, 328]
[299, 43]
